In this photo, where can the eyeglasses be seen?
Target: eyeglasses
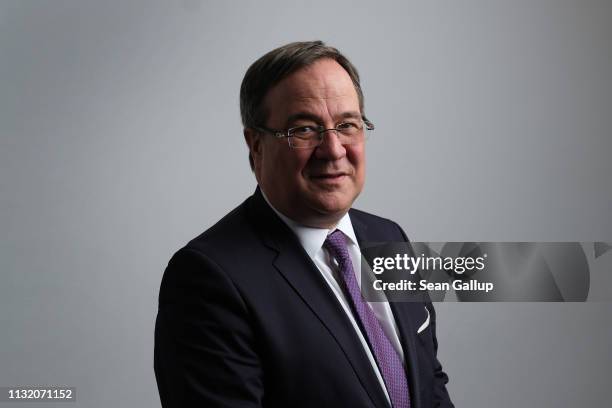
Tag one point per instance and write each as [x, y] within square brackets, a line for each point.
[304, 137]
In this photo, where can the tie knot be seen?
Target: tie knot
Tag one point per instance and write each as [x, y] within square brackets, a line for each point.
[336, 245]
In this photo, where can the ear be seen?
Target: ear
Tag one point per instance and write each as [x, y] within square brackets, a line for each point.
[254, 142]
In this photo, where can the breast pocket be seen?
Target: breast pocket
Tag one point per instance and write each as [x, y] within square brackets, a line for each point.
[425, 335]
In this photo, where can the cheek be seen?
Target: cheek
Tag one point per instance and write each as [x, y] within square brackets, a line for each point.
[286, 168]
[299, 163]
[356, 156]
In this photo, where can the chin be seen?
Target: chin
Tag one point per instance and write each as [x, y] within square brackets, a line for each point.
[332, 203]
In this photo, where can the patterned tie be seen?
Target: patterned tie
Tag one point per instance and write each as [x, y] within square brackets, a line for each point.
[387, 358]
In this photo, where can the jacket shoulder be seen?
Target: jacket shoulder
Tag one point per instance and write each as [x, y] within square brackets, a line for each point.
[225, 252]
[232, 226]
[229, 240]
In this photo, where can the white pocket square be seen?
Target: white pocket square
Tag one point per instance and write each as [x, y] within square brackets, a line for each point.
[425, 323]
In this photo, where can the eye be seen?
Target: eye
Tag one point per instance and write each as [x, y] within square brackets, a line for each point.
[303, 131]
[347, 127]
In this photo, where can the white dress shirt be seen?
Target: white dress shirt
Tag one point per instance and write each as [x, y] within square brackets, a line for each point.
[312, 239]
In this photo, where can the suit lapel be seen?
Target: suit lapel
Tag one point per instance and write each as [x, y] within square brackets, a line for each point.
[402, 313]
[294, 264]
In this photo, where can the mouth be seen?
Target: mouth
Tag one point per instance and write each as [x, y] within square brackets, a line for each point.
[328, 176]
[329, 180]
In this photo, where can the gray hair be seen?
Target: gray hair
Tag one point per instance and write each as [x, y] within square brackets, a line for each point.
[276, 65]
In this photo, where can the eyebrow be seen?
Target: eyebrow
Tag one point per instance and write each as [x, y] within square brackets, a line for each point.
[315, 118]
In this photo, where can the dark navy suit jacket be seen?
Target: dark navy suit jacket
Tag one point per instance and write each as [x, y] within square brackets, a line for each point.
[245, 319]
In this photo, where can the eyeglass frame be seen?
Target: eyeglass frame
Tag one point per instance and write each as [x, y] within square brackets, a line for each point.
[279, 134]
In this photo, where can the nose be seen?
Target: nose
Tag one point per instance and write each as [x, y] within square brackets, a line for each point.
[330, 147]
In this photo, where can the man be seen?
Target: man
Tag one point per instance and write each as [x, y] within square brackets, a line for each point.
[264, 308]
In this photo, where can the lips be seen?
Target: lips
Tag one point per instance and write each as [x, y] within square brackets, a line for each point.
[329, 180]
[328, 176]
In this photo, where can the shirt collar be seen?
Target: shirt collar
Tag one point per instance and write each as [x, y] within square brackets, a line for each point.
[312, 239]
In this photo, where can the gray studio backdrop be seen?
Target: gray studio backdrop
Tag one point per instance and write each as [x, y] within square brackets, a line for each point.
[121, 140]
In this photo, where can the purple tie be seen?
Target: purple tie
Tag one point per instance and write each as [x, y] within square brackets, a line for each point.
[387, 358]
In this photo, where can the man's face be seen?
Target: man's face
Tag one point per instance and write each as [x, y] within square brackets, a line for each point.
[314, 186]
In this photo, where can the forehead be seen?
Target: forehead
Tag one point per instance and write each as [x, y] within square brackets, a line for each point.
[322, 88]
